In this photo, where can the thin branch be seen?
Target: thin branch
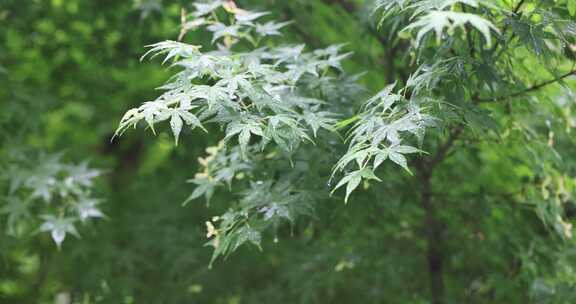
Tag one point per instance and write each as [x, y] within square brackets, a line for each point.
[444, 148]
[471, 48]
[505, 29]
[529, 89]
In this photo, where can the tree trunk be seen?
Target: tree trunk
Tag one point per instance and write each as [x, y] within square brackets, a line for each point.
[433, 241]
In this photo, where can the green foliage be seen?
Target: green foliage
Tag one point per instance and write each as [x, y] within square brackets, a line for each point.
[260, 97]
[378, 135]
[432, 137]
[48, 191]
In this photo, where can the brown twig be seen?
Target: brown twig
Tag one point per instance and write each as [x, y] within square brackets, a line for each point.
[505, 29]
[529, 89]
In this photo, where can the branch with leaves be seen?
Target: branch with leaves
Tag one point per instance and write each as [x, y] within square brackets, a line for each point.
[270, 101]
[49, 195]
[530, 89]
